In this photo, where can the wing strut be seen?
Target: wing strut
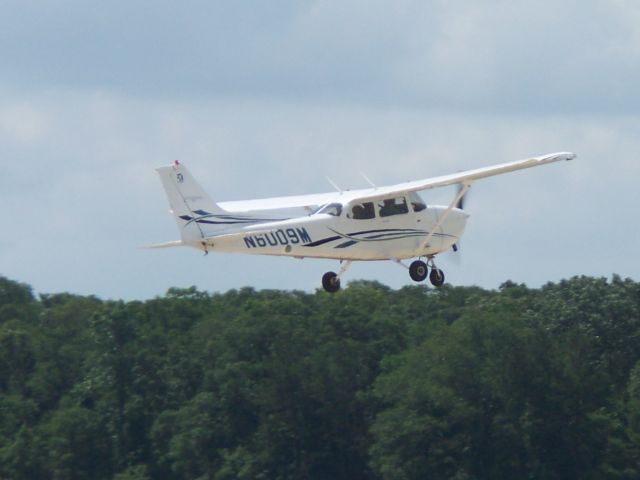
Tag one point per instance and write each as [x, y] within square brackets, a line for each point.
[465, 188]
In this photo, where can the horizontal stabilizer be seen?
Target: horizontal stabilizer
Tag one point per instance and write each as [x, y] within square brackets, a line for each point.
[174, 243]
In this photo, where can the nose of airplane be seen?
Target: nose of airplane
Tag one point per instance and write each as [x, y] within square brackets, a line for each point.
[458, 213]
[456, 221]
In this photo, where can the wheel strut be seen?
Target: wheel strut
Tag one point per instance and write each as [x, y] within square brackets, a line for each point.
[345, 266]
[436, 277]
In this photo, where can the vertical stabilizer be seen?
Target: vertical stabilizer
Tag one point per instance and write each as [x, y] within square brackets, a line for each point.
[189, 203]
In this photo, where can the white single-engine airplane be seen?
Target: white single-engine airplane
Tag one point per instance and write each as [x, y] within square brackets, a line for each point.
[378, 223]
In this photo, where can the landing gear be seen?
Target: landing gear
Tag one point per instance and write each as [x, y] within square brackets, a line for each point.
[331, 282]
[418, 270]
[436, 277]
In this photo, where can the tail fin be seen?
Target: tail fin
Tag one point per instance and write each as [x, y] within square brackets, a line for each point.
[189, 204]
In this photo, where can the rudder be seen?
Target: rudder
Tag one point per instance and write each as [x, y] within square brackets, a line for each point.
[188, 202]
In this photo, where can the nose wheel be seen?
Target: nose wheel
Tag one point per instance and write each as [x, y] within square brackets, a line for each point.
[418, 271]
[436, 277]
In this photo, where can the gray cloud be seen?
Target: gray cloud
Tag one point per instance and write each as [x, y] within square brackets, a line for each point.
[511, 56]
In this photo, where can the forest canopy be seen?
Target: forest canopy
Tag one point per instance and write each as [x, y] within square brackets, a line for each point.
[369, 383]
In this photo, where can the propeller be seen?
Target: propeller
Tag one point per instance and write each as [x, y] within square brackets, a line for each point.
[461, 201]
[459, 204]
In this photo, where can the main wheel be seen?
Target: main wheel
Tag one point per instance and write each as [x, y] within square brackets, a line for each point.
[331, 282]
[418, 270]
[436, 277]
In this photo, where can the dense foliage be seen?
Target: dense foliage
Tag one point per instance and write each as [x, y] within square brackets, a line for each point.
[369, 383]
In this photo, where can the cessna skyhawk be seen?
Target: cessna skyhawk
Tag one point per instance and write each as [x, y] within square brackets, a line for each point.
[378, 223]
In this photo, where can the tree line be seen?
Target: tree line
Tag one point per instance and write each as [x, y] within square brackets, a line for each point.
[369, 383]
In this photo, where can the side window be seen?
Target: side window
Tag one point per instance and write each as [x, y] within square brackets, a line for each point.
[363, 211]
[393, 206]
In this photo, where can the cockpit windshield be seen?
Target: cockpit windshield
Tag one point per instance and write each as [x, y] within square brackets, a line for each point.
[334, 209]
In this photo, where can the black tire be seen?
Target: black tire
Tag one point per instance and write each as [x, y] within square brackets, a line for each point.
[418, 271]
[436, 277]
[331, 282]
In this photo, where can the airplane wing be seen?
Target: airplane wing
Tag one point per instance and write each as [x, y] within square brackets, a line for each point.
[274, 203]
[313, 200]
[468, 176]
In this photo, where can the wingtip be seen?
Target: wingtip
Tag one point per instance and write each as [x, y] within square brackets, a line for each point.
[559, 156]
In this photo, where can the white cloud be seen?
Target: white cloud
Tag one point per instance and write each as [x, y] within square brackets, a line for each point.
[21, 123]
[267, 99]
[78, 214]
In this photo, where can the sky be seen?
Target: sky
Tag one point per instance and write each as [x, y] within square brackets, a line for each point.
[264, 99]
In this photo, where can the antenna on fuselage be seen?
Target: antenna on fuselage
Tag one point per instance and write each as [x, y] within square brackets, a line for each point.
[369, 181]
[334, 185]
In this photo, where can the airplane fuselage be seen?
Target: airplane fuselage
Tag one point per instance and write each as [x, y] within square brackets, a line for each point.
[323, 235]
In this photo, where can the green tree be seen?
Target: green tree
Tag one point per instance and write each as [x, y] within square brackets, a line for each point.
[490, 397]
[78, 445]
[456, 382]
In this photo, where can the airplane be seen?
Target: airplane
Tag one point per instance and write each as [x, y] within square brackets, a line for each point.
[377, 223]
